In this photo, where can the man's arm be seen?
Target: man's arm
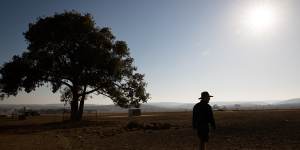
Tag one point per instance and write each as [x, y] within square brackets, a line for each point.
[194, 118]
[212, 119]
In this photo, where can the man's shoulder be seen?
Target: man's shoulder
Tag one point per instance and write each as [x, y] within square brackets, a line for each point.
[204, 106]
[208, 106]
[196, 106]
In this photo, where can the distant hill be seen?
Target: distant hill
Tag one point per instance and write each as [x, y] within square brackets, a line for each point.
[159, 106]
[289, 104]
[171, 105]
[290, 101]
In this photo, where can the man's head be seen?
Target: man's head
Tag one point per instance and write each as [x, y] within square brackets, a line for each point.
[205, 96]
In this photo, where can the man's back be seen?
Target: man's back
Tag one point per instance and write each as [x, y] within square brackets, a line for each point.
[202, 116]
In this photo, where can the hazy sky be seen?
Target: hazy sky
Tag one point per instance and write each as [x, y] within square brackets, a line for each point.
[235, 49]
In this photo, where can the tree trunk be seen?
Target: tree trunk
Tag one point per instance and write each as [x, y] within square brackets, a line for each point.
[74, 107]
[81, 104]
[80, 111]
[74, 110]
[77, 112]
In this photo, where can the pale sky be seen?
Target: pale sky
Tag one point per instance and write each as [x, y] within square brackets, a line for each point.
[238, 50]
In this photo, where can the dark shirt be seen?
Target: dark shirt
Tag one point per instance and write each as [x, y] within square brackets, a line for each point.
[202, 117]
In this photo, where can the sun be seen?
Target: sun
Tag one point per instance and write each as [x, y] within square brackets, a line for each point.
[260, 18]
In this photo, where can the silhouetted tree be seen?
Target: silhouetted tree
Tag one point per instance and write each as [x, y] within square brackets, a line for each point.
[77, 58]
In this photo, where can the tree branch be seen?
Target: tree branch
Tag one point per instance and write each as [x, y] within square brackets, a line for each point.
[92, 91]
[106, 95]
[98, 88]
[65, 83]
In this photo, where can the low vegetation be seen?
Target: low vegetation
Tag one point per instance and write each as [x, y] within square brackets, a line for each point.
[266, 129]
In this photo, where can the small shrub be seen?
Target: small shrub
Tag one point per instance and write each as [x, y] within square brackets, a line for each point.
[22, 117]
[132, 125]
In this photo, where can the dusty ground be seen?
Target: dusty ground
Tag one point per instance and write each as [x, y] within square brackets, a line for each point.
[236, 130]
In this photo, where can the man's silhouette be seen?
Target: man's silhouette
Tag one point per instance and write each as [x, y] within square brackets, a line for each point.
[202, 117]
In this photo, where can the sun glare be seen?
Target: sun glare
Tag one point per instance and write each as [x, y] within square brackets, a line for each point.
[260, 18]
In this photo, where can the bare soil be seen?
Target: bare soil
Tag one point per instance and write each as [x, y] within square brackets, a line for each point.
[236, 130]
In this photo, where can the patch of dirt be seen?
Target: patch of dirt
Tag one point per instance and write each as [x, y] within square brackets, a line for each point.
[242, 130]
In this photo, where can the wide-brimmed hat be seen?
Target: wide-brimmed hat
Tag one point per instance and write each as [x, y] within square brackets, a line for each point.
[204, 94]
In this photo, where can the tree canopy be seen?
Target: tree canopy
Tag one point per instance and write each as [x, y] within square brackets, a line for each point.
[77, 58]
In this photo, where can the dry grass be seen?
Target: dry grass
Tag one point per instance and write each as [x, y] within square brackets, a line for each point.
[272, 129]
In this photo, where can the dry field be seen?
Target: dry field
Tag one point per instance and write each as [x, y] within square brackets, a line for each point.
[236, 130]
